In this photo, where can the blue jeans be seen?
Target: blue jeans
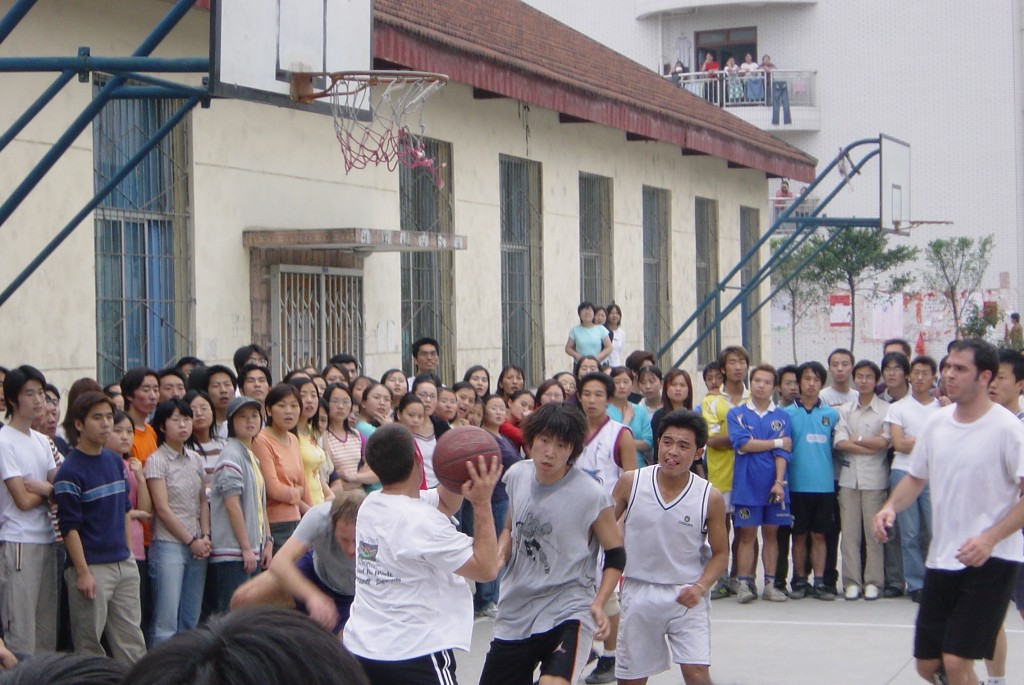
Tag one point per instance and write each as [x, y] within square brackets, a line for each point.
[177, 580]
[226, 577]
[780, 98]
[486, 593]
[915, 533]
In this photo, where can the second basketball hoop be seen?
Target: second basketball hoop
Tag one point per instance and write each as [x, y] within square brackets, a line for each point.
[392, 133]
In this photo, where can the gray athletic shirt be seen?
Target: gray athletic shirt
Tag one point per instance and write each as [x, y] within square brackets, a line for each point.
[551, 575]
[336, 570]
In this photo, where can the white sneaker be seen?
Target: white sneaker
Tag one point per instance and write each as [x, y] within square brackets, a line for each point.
[871, 592]
[853, 592]
[745, 594]
[774, 594]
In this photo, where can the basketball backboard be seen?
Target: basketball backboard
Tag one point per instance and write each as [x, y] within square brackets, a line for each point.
[894, 188]
[258, 43]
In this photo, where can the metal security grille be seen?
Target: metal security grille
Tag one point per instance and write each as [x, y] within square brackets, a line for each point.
[657, 276]
[595, 239]
[144, 280]
[317, 313]
[522, 288]
[428, 278]
[706, 223]
[750, 232]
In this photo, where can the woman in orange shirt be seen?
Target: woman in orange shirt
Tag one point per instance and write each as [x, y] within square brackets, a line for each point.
[281, 464]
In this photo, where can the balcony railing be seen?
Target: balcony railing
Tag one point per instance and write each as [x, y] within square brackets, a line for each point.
[779, 89]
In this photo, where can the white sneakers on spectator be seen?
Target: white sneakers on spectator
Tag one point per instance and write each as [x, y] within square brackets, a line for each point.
[744, 593]
[871, 592]
[774, 594]
[853, 592]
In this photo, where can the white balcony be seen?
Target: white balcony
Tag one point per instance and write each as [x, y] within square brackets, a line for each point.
[779, 100]
[652, 8]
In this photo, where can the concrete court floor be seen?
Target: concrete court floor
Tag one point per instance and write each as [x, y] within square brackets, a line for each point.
[805, 642]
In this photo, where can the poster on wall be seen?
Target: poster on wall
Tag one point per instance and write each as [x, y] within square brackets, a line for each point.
[840, 312]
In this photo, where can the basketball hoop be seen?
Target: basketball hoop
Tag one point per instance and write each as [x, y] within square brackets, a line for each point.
[393, 132]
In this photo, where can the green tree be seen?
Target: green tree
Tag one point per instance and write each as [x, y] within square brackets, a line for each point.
[806, 288]
[955, 269]
[860, 261]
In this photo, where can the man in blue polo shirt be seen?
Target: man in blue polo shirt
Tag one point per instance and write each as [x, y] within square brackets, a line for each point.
[760, 434]
[92, 504]
[811, 480]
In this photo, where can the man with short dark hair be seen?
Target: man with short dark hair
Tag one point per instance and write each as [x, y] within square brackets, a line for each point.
[255, 382]
[976, 551]
[903, 423]
[171, 383]
[789, 388]
[411, 562]
[1008, 383]
[92, 506]
[426, 356]
[347, 362]
[840, 365]
[812, 484]
[250, 354]
[28, 580]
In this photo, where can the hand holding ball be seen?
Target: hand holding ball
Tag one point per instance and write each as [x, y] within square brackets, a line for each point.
[456, 449]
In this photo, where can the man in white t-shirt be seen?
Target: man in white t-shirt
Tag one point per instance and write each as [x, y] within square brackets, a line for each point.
[972, 446]
[902, 425]
[840, 366]
[412, 605]
[28, 577]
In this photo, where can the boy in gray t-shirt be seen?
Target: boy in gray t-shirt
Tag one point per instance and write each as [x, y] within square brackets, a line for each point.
[551, 604]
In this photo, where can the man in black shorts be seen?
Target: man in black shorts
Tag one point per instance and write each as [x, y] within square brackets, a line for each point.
[975, 553]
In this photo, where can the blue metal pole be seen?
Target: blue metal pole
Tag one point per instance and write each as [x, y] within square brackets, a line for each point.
[771, 231]
[76, 127]
[155, 93]
[42, 101]
[796, 272]
[102, 193]
[84, 63]
[14, 17]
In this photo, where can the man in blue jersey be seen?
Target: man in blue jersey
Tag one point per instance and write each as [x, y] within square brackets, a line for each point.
[760, 434]
[812, 484]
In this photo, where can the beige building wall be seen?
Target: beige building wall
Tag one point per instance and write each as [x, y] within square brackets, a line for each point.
[261, 167]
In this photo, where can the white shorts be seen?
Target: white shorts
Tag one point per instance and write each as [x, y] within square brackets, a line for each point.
[650, 614]
[727, 496]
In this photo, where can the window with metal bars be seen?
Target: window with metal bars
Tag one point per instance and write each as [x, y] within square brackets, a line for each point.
[706, 224]
[750, 233]
[596, 239]
[428, 278]
[144, 280]
[522, 286]
[656, 258]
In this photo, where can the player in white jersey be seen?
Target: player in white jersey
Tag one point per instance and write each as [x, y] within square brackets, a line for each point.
[671, 517]
[608, 451]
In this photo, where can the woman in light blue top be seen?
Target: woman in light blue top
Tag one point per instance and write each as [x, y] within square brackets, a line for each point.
[633, 415]
[588, 339]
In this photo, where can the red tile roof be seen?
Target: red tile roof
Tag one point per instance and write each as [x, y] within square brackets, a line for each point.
[511, 49]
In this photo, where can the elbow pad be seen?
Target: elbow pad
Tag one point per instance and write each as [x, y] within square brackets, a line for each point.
[615, 558]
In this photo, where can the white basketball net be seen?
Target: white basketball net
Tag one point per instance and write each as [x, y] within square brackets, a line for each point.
[393, 133]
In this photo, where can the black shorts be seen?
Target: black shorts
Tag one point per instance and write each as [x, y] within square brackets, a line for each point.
[813, 512]
[561, 652]
[430, 669]
[961, 611]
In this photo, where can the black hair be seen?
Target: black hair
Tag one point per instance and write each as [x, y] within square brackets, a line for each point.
[927, 361]
[650, 370]
[190, 397]
[79, 410]
[331, 366]
[504, 372]
[897, 341]
[391, 453]
[52, 389]
[294, 373]
[164, 411]
[130, 382]
[1016, 362]
[429, 377]
[249, 368]
[899, 359]
[15, 380]
[559, 420]
[579, 363]
[763, 368]
[620, 371]
[473, 369]
[738, 350]
[188, 361]
[211, 371]
[544, 387]
[171, 371]
[66, 669]
[686, 419]
[635, 361]
[789, 368]
[585, 304]
[708, 368]
[387, 374]
[616, 307]
[669, 378]
[814, 367]
[842, 351]
[242, 354]
[986, 358]
[108, 389]
[517, 394]
[298, 383]
[237, 649]
[601, 378]
[120, 415]
[407, 399]
[278, 393]
[344, 358]
[425, 341]
[78, 388]
[862, 364]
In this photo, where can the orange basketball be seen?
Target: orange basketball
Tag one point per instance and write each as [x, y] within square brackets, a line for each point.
[456, 447]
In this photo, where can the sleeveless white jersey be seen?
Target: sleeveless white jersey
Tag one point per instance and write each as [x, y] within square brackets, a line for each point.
[598, 457]
[666, 542]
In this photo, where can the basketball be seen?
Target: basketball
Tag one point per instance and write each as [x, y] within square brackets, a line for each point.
[456, 447]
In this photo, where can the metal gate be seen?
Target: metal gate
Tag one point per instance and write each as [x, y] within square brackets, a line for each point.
[317, 312]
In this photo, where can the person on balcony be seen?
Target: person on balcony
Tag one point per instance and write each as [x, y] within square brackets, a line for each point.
[710, 68]
[734, 87]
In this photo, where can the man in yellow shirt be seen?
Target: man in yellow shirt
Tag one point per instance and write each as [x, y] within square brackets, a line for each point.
[734, 362]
